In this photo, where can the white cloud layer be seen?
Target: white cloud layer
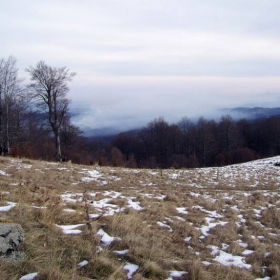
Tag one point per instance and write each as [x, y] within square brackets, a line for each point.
[140, 59]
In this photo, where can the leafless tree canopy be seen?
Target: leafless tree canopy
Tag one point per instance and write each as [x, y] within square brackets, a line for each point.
[48, 89]
[11, 102]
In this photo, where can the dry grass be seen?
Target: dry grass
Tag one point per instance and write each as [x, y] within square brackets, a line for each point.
[166, 220]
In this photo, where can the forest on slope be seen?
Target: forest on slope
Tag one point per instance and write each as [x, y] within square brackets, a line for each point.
[189, 144]
[35, 122]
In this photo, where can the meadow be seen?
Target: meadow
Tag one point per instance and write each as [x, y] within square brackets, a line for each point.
[92, 222]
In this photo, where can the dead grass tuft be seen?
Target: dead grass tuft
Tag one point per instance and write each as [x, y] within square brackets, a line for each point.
[229, 273]
[158, 238]
[152, 270]
[226, 233]
[271, 217]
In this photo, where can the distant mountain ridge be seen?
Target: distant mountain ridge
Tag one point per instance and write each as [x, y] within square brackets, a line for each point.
[237, 113]
[251, 113]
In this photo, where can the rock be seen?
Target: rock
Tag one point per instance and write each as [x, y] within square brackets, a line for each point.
[11, 237]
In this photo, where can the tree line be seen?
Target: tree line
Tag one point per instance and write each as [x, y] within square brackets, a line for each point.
[35, 123]
[190, 144]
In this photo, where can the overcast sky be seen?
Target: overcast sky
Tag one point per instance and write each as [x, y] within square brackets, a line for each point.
[140, 59]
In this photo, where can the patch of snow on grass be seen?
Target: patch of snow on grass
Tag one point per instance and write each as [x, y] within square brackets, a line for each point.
[5, 193]
[242, 244]
[106, 208]
[182, 210]
[26, 166]
[106, 239]
[195, 194]
[94, 216]
[38, 207]
[212, 214]
[149, 195]
[175, 273]
[7, 208]
[69, 210]
[70, 229]
[99, 249]
[257, 213]
[62, 168]
[112, 194]
[131, 268]
[83, 263]
[72, 197]
[247, 252]
[94, 173]
[165, 226]
[87, 179]
[206, 229]
[228, 259]
[180, 218]
[3, 173]
[235, 207]
[173, 176]
[242, 220]
[29, 276]
[123, 252]
[160, 197]
[134, 204]
[93, 176]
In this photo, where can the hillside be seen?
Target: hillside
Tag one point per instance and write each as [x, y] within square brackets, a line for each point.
[96, 222]
[252, 113]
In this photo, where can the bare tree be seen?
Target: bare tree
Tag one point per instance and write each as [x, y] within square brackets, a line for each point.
[187, 127]
[228, 134]
[48, 89]
[69, 133]
[206, 142]
[155, 137]
[10, 92]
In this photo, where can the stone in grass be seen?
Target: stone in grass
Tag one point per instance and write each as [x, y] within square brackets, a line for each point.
[11, 237]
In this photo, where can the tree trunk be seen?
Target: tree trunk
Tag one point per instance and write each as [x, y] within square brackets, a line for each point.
[7, 138]
[1, 130]
[57, 145]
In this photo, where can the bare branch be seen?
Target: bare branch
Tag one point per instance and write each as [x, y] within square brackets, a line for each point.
[48, 89]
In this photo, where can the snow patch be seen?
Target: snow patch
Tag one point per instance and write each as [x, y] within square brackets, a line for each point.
[70, 229]
[106, 239]
[3, 173]
[122, 253]
[134, 204]
[83, 263]
[131, 268]
[165, 226]
[29, 276]
[182, 210]
[175, 273]
[228, 259]
[7, 208]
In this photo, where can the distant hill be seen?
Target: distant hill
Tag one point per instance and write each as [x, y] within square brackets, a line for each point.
[106, 134]
[108, 137]
[251, 113]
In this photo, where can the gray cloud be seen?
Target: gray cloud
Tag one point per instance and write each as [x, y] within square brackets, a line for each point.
[141, 99]
[140, 59]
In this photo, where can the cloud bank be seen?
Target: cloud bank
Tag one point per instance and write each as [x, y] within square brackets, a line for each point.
[137, 60]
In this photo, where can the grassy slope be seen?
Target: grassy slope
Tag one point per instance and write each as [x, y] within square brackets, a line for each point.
[231, 208]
